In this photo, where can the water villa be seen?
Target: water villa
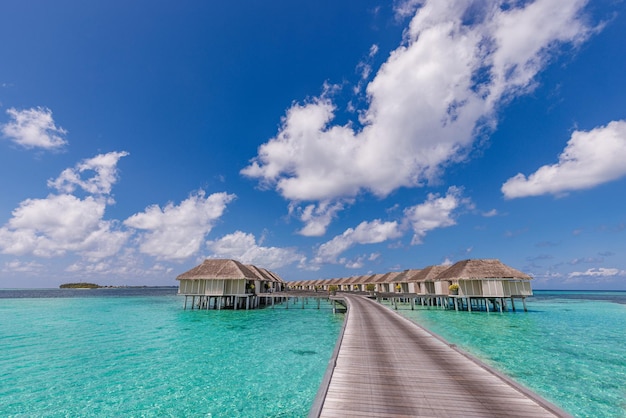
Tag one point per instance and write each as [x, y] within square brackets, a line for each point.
[220, 283]
[476, 284]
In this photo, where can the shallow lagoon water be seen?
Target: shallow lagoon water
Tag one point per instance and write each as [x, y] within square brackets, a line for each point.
[570, 347]
[136, 352]
[91, 355]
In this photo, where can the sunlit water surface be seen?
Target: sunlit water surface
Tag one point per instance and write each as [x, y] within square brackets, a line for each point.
[116, 352]
[570, 347]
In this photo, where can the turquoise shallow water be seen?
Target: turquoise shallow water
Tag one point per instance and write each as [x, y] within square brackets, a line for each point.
[135, 352]
[570, 347]
[142, 355]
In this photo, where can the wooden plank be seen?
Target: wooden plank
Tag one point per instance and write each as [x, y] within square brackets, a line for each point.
[388, 366]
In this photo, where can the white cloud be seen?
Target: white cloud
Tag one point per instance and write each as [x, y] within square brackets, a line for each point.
[176, 232]
[491, 213]
[436, 212]
[64, 223]
[105, 168]
[126, 264]
[589, 159]
[599, 272]
[17, 266]
[317, 217]
[59, 224]
[33, 128]
[243, 247]
[365, 233]
[428, 102]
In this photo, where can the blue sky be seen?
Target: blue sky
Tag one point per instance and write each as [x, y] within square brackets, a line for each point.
[321, 139]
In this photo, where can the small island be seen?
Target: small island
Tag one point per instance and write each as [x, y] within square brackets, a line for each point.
[80, 286]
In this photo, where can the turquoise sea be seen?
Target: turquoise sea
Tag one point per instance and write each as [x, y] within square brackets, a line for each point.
[136, 352]
[570, 347]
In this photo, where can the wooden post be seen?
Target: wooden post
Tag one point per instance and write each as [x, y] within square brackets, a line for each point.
[303, 303]
[469, 305]
[412, 304]
[185, 305]
[512, 303]
[524, 303]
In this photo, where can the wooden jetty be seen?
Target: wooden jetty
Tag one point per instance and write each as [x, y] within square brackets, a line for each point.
[384, 365]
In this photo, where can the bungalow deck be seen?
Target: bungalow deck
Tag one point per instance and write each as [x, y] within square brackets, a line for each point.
[387, 366]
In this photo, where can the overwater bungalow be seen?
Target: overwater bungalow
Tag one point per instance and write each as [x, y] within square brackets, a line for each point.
[486, 279]
[424, 281]
[223, 283]
[404, 280]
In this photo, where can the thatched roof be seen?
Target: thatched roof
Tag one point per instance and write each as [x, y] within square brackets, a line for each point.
[481, 269]
[390, 277]
[355, 280]
[219, 269]
[428, 274]
[275, 276]
[406, 276]
[376, 278]
[264, 274]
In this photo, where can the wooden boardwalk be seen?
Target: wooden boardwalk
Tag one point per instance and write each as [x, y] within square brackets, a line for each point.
[387, 366]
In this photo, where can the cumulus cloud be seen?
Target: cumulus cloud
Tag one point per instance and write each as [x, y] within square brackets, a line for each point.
[62, 223]
[33, 128]
[17, 266]
[316, 217]
[176, 232]
[128, 263]
[589, 159]
[59, 224]
[599, 272]
[243, 247]
[435, 94]
[491, 213]
[436, 212]
[365, 233]
[104, 168]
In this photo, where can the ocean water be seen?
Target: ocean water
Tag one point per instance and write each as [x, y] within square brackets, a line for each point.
[570, 347]
[136, 352]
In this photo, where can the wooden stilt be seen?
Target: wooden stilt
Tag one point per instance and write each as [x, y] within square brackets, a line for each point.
[512, 304]
[524, 303]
